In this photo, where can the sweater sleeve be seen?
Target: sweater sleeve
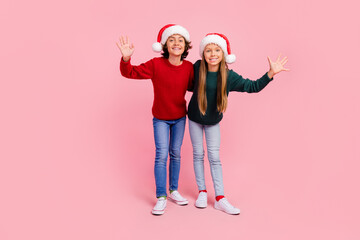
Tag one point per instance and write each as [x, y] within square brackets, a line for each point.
[240, 84]
[143, 71]
[195, 75]
[191, 81]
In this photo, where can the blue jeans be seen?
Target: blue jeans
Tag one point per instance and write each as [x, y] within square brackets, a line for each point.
[168, 136]
[212, 136]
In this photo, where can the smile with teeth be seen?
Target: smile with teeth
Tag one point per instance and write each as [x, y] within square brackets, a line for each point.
[176, 49]
[213, 59]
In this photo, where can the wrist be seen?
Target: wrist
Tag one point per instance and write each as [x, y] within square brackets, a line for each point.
[126, 59]
[270, 73]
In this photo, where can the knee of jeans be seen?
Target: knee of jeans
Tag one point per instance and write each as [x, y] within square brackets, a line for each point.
[175, 153]
[198, 155]
[160, 163]
[161, 156]
[214, 157]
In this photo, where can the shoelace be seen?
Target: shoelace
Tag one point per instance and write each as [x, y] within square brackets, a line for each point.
[160, 202]
[177, 194]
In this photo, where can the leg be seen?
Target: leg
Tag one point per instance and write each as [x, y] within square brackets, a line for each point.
[196, 135]
[176, 138]
[212, 136]
[161, 136]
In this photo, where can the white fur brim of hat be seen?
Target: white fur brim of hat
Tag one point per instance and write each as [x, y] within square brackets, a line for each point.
[221, 42]
[176, 29]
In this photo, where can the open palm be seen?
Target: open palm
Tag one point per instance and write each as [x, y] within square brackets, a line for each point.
[278, 65]
[125, 47]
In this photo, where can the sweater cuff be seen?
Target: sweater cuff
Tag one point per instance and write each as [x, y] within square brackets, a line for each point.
[266, 76]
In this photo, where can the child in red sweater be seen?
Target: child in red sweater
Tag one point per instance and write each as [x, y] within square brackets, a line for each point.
[171, 76]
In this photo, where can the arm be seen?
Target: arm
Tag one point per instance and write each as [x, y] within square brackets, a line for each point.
[245, 85]
[240, 84]
[191, 81]
[143, 71]
[195, 72]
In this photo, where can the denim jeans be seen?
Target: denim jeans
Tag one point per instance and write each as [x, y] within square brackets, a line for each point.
[212, 136]
[168, 135]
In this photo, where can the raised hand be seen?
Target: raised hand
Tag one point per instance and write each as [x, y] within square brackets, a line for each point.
[278, 66]
[126, 48]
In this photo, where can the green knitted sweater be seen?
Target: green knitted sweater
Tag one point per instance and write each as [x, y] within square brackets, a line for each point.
[235, 82]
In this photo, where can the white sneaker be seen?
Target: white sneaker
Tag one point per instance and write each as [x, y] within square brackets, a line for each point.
[224, 205]
[160, 206]
[177, 198]
[201, 201]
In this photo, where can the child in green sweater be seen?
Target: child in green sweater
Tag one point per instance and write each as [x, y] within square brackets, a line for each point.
[212, 84]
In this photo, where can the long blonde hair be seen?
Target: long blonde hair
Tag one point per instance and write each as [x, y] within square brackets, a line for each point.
[221, 86]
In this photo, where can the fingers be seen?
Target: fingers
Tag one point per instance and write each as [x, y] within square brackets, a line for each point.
[279, 64]
[283, 62]
[285, 59]
[269, 60]
[125, 41]
[117, 44]
[121, 41]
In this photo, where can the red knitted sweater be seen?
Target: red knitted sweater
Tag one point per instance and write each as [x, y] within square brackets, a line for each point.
[169, 82]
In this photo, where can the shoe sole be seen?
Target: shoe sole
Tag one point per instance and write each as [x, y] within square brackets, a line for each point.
[226, 211]
[179, 202]
[201, 207]
[157, 212]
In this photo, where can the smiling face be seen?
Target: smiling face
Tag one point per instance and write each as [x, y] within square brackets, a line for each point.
[175, 45]
[213, 55]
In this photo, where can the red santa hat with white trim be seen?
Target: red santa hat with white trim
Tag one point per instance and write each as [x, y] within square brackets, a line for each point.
[166, 32]
[222, 41]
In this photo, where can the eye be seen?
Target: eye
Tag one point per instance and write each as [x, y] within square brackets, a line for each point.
[218, 50]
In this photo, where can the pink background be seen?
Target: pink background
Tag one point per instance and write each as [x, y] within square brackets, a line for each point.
[76, 137]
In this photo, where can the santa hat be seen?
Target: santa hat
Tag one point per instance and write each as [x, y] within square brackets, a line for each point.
[166, 32]
[222, 41]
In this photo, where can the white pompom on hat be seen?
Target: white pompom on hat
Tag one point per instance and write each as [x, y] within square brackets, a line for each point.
[222, 41]
[166, 32]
